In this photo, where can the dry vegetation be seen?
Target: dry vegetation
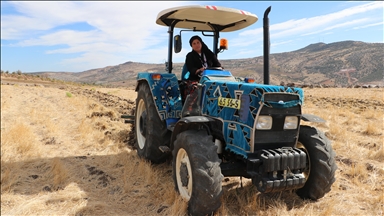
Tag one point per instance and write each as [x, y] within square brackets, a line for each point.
[65, 151]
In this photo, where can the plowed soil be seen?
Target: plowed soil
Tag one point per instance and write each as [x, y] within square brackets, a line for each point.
[65, 150]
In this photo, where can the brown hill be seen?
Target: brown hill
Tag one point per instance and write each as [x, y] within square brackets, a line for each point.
[341, 63]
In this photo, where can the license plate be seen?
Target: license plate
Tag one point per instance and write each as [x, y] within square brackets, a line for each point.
[229, 102]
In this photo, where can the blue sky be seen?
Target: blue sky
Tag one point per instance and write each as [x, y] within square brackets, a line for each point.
[75, 36]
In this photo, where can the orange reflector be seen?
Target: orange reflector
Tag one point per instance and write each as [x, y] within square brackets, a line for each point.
[156, 76]
[249, 80]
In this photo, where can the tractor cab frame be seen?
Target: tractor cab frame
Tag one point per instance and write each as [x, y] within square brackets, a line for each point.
[213, 19]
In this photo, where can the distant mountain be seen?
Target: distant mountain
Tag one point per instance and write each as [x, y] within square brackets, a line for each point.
[342, 63]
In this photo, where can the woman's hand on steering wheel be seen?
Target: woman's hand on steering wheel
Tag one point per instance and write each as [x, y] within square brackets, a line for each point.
[200, 70]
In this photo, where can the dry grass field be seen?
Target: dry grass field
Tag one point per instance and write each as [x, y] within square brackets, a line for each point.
[65, 151]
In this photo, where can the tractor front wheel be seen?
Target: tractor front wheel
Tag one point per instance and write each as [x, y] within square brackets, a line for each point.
[196, 171]
[322, 165]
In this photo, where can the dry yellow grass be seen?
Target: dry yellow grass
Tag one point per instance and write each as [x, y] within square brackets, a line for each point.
[65, 155]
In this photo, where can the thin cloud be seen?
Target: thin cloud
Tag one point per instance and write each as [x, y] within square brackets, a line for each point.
[308, 25]
[281, 43]
[253, 32]
[370, 25]
[68, 37]
[241, 42]
[96, 47]
[244, 53]
[340, 25]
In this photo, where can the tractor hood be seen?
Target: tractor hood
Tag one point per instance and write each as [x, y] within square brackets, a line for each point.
[240, 102]
[238, 105]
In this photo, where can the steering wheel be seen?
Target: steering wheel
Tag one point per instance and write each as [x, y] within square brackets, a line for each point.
[214, 68]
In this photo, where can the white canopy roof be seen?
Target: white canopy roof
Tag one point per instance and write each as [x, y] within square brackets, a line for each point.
[198, 16]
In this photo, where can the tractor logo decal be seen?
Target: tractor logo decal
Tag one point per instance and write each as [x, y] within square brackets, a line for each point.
[217, 92]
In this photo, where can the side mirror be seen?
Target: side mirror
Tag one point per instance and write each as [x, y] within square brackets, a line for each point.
[223, 44]
[177, 43]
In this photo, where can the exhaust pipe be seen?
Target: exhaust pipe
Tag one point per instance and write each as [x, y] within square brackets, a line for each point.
[266, 45]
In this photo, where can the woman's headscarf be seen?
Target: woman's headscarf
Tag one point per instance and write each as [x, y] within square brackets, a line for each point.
[204, 47]
[194, 38]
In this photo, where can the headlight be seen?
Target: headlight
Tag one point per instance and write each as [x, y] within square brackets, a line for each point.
[290, 122]
[264, 123]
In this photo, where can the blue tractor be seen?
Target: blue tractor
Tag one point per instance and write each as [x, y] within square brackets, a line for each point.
[228, 126]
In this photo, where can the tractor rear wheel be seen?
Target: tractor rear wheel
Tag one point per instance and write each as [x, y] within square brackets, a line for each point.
[196, 171]
[151, 132]
[322, 165]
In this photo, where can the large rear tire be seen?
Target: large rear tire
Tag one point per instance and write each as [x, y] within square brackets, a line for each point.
[196, 171]
[151, 132]
[322, 165]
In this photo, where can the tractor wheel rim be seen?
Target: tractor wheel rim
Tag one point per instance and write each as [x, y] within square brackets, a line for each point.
[184, 174]
[306, 173]
[140, 138]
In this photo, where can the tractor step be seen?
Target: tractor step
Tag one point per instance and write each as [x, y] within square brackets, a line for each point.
[165, 149]
[128, 119]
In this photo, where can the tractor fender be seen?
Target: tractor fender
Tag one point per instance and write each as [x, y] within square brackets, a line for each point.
[145, 81]
[138, 83]
[165, 93]
[312, 118]
[189, 123]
